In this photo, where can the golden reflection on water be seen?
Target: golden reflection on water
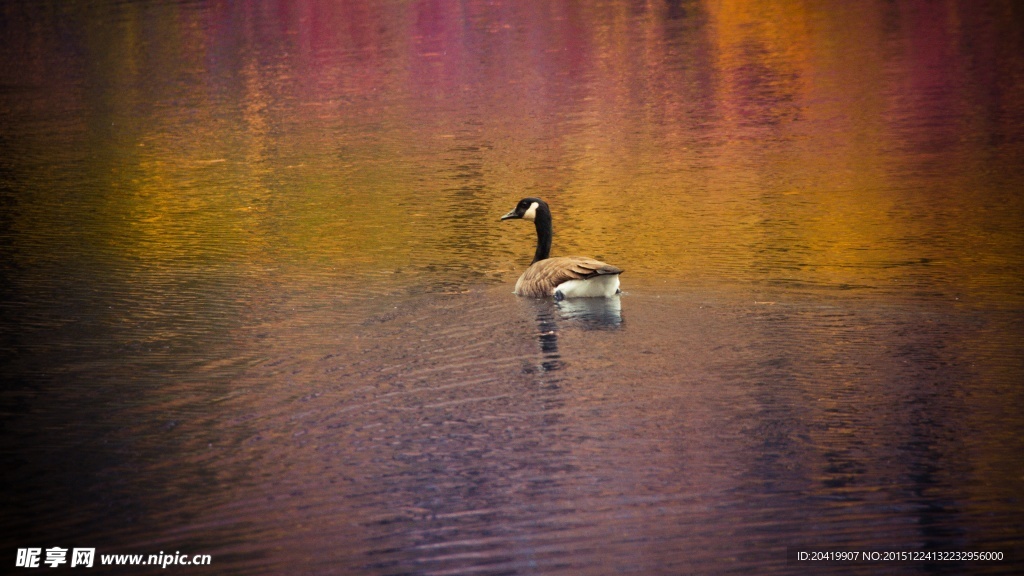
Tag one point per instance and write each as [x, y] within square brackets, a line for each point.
[700, 142]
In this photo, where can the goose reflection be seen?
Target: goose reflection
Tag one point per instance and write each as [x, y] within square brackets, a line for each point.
[586, 313]
[592, 313]
[547, 335]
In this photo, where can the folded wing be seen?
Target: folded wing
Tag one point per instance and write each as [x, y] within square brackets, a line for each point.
[541, 278]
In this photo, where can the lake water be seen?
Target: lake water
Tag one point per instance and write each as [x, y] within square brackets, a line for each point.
[257, 301]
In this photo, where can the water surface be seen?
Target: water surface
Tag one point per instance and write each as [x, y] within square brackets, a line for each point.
[257, 301]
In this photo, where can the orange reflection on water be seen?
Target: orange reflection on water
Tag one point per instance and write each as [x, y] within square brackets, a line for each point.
[830, 146]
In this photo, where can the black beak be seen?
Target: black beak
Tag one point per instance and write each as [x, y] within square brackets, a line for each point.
[511, 215]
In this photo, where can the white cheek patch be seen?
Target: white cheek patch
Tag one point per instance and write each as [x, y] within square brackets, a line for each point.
[531, 214]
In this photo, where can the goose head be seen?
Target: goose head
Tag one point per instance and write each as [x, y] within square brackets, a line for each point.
[527, 209]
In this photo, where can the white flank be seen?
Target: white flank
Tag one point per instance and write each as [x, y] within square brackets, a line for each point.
[603, 286]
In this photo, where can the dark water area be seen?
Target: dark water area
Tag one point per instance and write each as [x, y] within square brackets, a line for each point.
[255, 299]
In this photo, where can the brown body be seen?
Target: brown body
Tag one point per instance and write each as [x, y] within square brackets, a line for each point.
[543, 276]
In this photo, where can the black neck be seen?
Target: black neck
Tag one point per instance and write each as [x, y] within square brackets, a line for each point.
[542, 220]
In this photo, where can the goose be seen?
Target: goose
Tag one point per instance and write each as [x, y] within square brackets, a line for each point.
[565, 276]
